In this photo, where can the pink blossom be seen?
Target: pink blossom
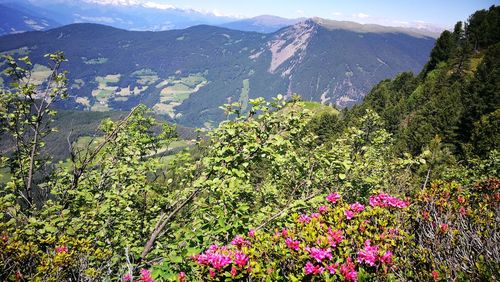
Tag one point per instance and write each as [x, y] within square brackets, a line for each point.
[61, 250]
[349, 214]
[145, 276]
[127, 277]
[234, 271]
[294, 245]
[315, 215]
[384, 200]
[212, 273]
[239, 241]
[357, 207]
[284, 232]
[182, 276]
[332, 268]
[463, 211]
[251, 233]
[310, 268]
[386, 257]
[219, 261]
[435, 275]
[347, 270]
[323, 209]
[304, 218]
[319, 254]
[368, 254]
[334, 237]
[333, 198]
[240, 259]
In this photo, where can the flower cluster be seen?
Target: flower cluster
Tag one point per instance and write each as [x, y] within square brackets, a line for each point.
[384, 200]
[219, 257]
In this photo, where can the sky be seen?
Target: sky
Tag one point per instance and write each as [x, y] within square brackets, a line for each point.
[441, 13]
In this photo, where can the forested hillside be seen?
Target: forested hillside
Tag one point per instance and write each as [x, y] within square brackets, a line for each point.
[403, 187]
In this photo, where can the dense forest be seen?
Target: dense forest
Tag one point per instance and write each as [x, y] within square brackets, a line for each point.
[404, 186]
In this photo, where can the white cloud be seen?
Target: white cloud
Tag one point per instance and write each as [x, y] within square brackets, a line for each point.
[115, 2]
[361, 15]
[299, 12]
[155, 5]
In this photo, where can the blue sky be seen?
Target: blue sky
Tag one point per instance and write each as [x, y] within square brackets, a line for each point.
[443, 13]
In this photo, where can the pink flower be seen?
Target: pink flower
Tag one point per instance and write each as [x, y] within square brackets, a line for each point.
[347, 270]
[435, 275]
[212, 273]
[294, 245]
[145, 276]
[443, 227]
[182, 277]
[219, 261]
[251, 233]
[463, 211]
[332, 268]
[319, 254]
[384, 200]
[234, 271]
[386, 257]
[239, 241]
[310, 268]
[334, 237]
[304, 218]
[368, 254]
[240, 259]
[284, 232]
[61, 250]
[315, 215]
[127, 277]
[357, 207]
[333, 198]
[323, 209]
[348, 214]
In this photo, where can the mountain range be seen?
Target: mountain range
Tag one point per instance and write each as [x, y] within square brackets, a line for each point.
[187, 74]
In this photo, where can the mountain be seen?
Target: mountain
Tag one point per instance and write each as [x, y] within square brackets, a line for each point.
[187, 74]
[263, 24]
[20, 20]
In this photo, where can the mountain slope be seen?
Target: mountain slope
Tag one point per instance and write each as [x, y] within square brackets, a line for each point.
[18, 20]
[187, 74]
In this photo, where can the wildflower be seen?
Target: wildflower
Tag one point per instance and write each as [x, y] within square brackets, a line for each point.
[347, 270]
[435, 275]
[234, 271]
[251, 233]
[384, 200]
[368, 254]
[461, 199]
[219, 261]
[310, 268]
[239, 241]
[386, 257]
[61, 250]
[332, 268]
[319, 254]
[304, 218]
[292, 244]
[240, 259]
[315, 215]
[127, 277]
[323, 209]
[462, 211]
[334, 237]
[145, 276]
[284, 232]
[333, 198]
[443, 227]
[182, 276]
[212, 273]
[349, 214]
[357, 207]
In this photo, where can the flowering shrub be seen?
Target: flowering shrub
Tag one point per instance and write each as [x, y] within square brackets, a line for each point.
[341, 241]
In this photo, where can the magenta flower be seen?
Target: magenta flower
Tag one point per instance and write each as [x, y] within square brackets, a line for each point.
[334, 237]
[251, 233]
[61, 250]
[182, 276]
[304, 218]
[145, 276]
[386, 258]
[323, 209]
[212, 273]
[315, 215]
[332, 268]
[294, 245]
[310, 268]
[239, 241]
[234, 271]
[368, 254]
[127, 277]
[319, 254]
[333, 198]
[357, 207]
[384, 200]
[240, 259]
[284, 232]
[347, 270]
[349, 214]
[219, 261]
